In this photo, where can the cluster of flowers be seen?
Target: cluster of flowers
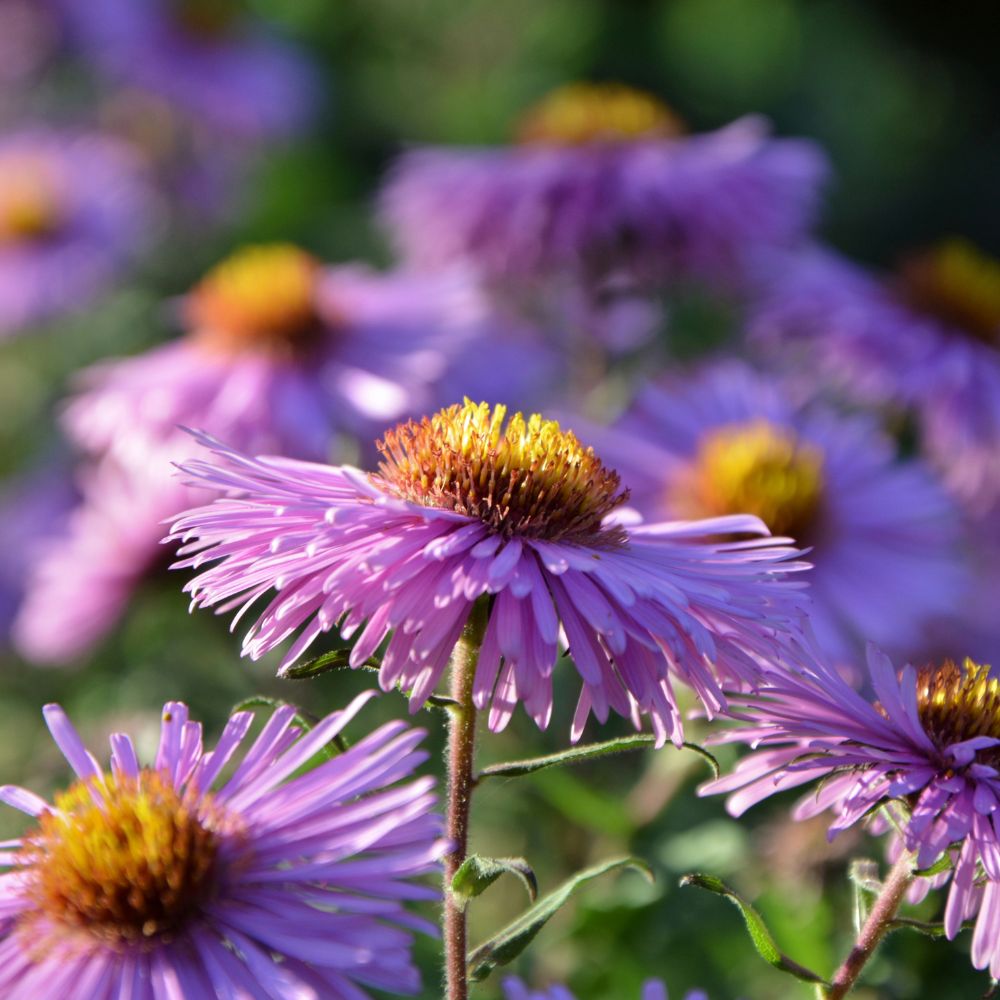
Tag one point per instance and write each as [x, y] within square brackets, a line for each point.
[683, 564]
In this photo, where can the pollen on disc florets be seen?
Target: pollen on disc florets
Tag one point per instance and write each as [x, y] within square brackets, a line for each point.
[528, 478]
[958, 284]
[754, 468]
[582, 113]
[31, 201]
[261, 298]
[124, 859]
[957, 703]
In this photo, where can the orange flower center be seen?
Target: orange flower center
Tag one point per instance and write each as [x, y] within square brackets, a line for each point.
[582, 113]
[754, 468]
[31, 204]
[528, 477]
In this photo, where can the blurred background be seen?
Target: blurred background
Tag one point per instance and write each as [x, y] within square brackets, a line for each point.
[903, 99]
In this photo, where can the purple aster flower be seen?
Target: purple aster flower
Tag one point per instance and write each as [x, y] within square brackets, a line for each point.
[929, 745]
[74, 209]
[886, 536]
[216, 64]
[515, 989]
[464, 507]
[603, 178]
[167, 881]
[927, 338]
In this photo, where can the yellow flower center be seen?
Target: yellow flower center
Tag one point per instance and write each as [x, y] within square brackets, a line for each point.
[260, 298]
[123, 859]
[30, 200]
[754, 468]
[581, 113]
[957, 284]
[957, 703]
[528, 478]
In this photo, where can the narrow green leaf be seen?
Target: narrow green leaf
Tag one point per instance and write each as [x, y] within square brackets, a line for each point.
[477, 874]
[864, 876]
[508, 943]
[759, 934]
[304, 720]
[337, 659]
[577, 755]
[927, 928]
[943, 864]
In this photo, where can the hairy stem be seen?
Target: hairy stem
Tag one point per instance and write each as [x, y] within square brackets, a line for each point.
[875, 928]
[461, 780]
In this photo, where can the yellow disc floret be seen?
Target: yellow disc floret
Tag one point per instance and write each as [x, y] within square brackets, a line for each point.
[754, 468]
[31, 204]
[580, 113]
[261, 298]
[528, 477]
[957, 284]
[957, 703]
[123, 859]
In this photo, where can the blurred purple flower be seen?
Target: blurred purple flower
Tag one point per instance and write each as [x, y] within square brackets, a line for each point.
[164, 881]
[927, 339]
[464, 507]
[654, 989]
[209, 59]
[886, 536]
[928, 743]
[29, 36]
[74, 209]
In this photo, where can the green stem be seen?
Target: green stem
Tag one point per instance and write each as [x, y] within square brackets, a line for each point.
[460, 756]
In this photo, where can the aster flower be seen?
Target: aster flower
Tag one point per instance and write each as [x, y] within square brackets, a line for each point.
[926, 339]
[167, 881]
[886, 536]
[602, 177]
[928, 744]
[515, 989]
[214, 63]
[462, 507]
[74, 209]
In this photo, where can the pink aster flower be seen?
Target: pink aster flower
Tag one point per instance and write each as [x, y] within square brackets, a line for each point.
[462, 508]
[515, 989]
[886, 535]
[928, 746]
[168, 881]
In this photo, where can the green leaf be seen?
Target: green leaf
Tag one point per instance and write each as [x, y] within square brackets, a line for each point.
[337, 659]
[928, 929]
[304, 720]
[508, 943]
[577, 755]
[943, 864]
[759, 934]
[864, 876]
[477, 874]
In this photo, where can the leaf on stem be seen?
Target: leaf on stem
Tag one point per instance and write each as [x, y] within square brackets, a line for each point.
[508, 943]
[337, 659]
[864, 876]
[577, 755]
[477, 874]
[763, 942]
[304, 720]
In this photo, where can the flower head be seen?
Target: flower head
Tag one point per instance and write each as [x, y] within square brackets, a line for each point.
[515, 989]
[167, 878]
[466, 507]
[927, 746]
[74, 209]
[886, 536]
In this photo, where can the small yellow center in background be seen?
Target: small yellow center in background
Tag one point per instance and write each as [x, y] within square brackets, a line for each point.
[754, 468]
[123, 859]
[527, 478]
[262, 297]
[581, 113]
[31, 205]
[957, 703]
[957, 284]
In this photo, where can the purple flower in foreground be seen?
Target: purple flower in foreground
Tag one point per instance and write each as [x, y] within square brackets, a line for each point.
[167, 881]
[885, 534]
[515, 989]
[603, 178]
[927, 339]
[929, 744]
[74, 209]
[464, 507]
[209, 59]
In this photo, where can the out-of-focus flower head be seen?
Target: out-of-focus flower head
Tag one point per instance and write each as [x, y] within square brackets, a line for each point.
[467, 505]
[654, 989]
[216, 63]
[886, 536]
[602, 178]
[29, 35]
[75, 209]
[928, 746]
[169, 880]
[926, 338]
